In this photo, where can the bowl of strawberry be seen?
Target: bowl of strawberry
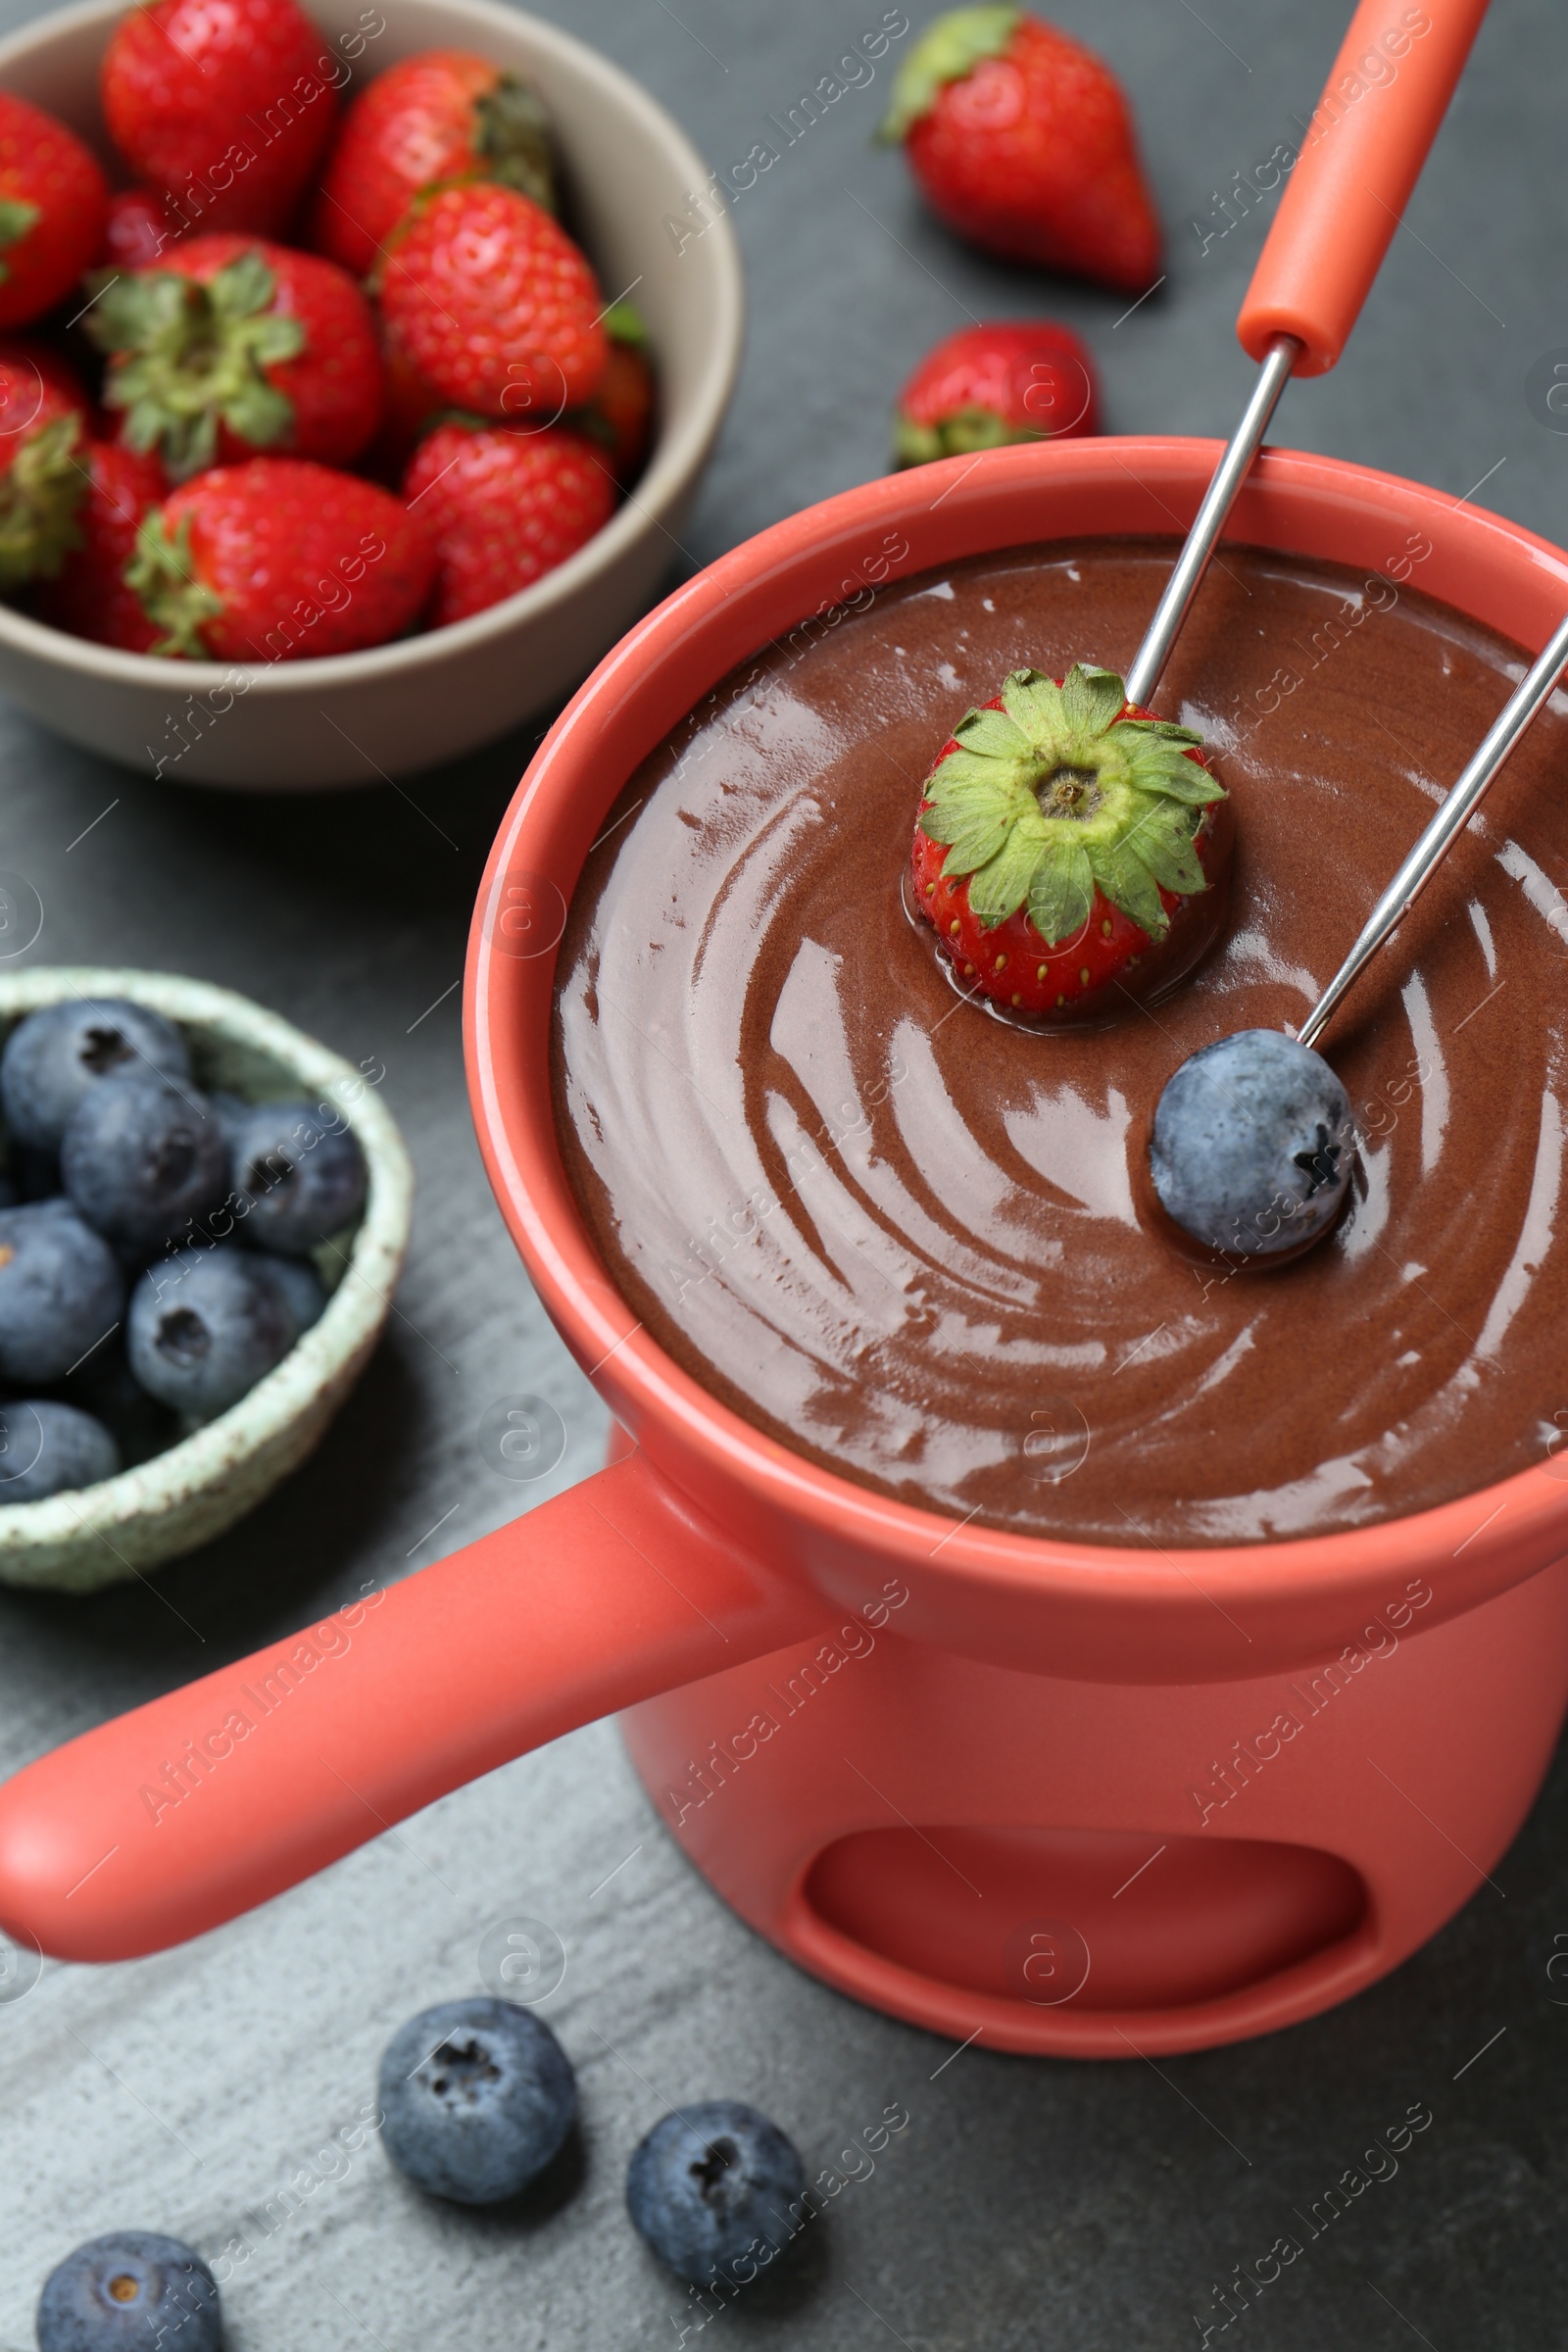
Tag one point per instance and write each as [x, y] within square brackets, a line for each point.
[352, 391]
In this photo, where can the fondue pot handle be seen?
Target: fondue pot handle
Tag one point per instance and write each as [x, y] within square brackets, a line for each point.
[172, 1818]
[1360, 158]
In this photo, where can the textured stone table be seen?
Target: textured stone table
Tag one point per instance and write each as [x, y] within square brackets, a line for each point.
[1027, 2204]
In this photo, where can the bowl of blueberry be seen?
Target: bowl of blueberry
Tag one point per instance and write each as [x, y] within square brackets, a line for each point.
[203, 1215]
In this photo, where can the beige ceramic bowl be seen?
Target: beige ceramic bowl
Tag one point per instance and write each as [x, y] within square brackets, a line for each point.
[77, 1542]
[353, 718]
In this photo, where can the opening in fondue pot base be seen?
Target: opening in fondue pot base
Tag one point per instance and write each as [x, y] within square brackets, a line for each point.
[1077, 1870]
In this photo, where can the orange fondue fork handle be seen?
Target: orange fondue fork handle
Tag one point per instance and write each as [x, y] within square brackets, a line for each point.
[202, 1803]
[1359, 159]
[1361, 155]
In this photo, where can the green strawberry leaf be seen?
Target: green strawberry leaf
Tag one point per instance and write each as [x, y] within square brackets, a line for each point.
[966, 771]
[17, 217]
[275, 340]
[1166, 729]
[1165, 845]
[945, 52]
[990, 735]
[1128, 884]
[242, 288]
[963, 433]
[1091, 699]
[188, 357]
[1034, 703]
[1061, 891]
[161, 574]
[1000, 887]
[623, 322]
[1162, 768]
[974, 828]
[41, 490]
[513, 138]
[260, 415]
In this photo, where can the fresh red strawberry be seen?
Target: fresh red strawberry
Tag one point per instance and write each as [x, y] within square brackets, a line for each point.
[89, 596]
[494, 305]
[277, 558]
[234, 345]
[988, 385]
[141, 228]
[506, 508]
[220, 103]
[43, 427]
[1069, 850]
[620, 415]
[1023, 142]
[53, 202]
[444, 114]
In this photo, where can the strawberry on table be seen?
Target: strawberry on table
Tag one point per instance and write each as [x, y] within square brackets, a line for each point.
[1018, 380]
[276, 560]
[1023, 142]
[235, 345]
[89, 596]
[494, 305]
[1070, 851]
[444, 114]
[220, 103]
[506, 508]
[53, 202]
[43, 427]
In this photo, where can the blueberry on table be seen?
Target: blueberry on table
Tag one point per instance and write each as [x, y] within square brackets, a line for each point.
[479, 2096]
[142, 1160]
[62, 1052]
[203, 1327]
[61, 1290]
[707, 2182]
[129, 2292]
[302, 1177]
[47, 1447]
[1252, 1146]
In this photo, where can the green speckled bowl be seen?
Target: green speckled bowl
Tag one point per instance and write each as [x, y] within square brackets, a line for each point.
[75, 1542]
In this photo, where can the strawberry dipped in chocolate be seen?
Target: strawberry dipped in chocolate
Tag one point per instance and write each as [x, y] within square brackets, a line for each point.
[1071, 853]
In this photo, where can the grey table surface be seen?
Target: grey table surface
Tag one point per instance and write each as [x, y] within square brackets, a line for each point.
[1029, 2203]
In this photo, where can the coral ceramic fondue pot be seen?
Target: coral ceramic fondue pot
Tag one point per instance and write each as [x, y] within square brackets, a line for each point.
[928, 1761]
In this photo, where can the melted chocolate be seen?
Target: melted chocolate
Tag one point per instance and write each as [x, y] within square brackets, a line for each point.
[904, 1236]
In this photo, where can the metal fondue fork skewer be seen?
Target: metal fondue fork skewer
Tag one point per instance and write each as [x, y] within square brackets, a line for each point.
[1447, 823]
[1386, 95]
[1207, 523]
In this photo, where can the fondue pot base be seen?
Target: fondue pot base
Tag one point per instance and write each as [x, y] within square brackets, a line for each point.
[1076, 1869]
